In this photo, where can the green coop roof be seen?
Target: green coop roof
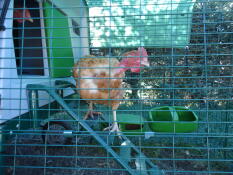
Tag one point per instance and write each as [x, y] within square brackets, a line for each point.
[130, 23]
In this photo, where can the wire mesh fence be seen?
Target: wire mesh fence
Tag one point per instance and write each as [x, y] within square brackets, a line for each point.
[116, 87]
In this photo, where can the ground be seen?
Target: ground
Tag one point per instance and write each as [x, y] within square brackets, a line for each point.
[26, 153]
[86, 157]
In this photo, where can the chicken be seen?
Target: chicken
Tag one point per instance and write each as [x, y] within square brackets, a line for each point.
[22, 14]
[99, 80]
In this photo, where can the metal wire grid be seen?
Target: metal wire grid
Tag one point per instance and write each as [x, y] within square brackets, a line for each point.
[198, 76]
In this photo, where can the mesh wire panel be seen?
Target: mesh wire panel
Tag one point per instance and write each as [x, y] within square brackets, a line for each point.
[116, 87]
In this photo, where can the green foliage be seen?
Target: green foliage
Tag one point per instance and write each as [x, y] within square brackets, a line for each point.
[198, 75]
[132, 23]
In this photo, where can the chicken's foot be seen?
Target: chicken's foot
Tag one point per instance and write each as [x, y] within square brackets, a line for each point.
[91, 113]
[114, 127]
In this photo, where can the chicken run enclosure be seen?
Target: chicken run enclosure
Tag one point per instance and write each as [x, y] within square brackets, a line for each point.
[116, 87]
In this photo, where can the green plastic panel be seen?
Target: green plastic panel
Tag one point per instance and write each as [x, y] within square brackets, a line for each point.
[58, 42]
[131, 124]
[126, 23]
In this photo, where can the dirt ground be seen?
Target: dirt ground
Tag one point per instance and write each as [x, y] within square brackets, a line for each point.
[28, 155]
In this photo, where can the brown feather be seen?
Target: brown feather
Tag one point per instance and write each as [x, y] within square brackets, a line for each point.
[95, 80]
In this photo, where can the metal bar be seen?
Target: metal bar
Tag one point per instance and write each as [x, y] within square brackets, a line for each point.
[33, 103]
[3, 14]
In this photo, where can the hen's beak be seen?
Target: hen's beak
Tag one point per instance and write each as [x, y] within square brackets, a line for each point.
[27, 15]
[30, 20]
[147, 64]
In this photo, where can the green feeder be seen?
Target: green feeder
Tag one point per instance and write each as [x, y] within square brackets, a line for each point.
[131, 124]
[174, 119]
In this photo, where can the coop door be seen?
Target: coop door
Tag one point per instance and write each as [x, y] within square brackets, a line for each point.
[58, 41]
[27, 40]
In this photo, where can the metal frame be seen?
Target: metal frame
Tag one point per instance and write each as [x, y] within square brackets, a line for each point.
[4, 7]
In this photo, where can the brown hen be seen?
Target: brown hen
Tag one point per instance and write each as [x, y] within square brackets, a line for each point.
[99, 80]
